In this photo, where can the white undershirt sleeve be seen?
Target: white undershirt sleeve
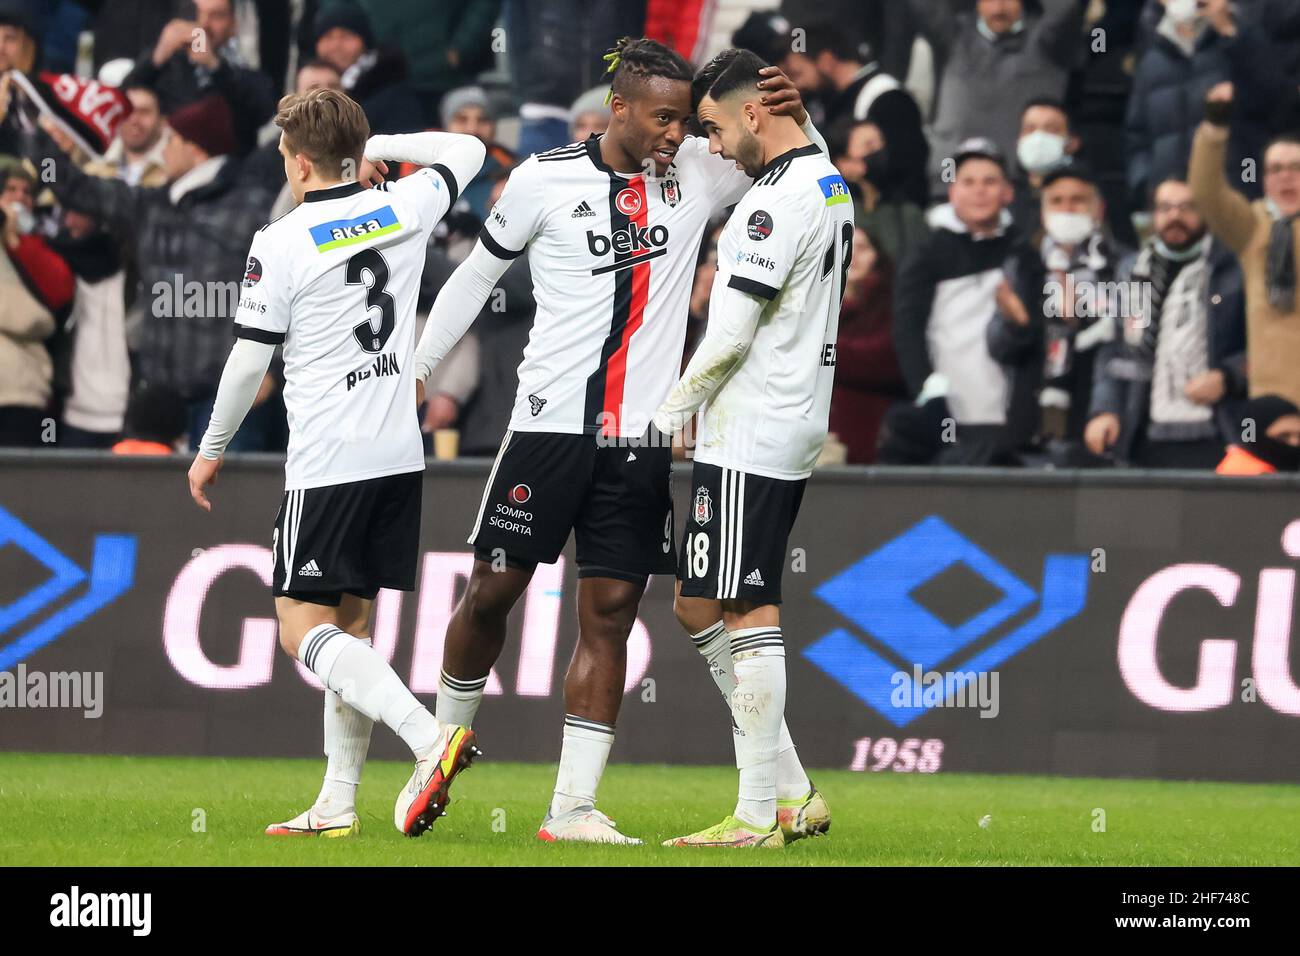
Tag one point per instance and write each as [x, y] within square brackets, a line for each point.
[461, 155]
[240, 380]
[457, 306]
[812, 133]
[733, 320]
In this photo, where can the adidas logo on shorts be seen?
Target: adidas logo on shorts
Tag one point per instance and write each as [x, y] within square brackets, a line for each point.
[310, 570]
[582, 211]
[754, 578]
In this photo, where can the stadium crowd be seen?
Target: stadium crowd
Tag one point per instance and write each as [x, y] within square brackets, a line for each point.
[1076, 241]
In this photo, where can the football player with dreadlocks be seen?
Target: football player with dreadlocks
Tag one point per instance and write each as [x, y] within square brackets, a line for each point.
[612, 227]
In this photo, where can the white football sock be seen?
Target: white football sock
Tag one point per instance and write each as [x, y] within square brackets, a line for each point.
[347, 741]
[582, 762]
[714, 645]
[364, 680]
[458, 700]
[757, 706]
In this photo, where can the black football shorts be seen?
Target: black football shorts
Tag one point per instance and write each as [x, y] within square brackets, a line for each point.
[616, 499]
[736, 533]
[353, 538]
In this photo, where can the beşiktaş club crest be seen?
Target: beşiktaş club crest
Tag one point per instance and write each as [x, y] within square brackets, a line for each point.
[671, 192]
[703, 506]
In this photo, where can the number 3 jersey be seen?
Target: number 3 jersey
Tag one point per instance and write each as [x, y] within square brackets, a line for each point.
[336, 281]
[788, 241]
[613, 261]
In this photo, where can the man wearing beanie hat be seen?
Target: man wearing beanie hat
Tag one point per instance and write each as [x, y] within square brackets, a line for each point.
[1270, 439]
[447, 44]
[19, 52]
[189, 238]
[199, 58]
[466, 111]
[374, 77]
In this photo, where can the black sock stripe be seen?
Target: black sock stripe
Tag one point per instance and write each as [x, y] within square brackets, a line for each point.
[761, 642]
[708, 634]
[457, 684]
[314, 648]
[583, 723]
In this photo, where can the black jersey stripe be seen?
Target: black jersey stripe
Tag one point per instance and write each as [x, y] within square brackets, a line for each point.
[743, 284]
[620, 312]
[258, 335]
[494, 247]
[450, 180]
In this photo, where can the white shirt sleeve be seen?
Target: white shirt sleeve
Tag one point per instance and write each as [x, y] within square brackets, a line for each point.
[769, 229]
[733, 320]
[240, 379]
[458, 154]
[517, 217]
[451, 162]
[265, 294]
[457, 306]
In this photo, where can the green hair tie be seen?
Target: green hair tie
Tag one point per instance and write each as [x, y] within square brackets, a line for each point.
[613, 57]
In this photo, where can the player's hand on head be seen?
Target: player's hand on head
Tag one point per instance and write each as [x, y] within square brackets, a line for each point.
[780, 95]
[203, 473]
[372, 172]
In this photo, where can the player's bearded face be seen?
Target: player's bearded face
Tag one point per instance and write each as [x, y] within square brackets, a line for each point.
[749, 152]
[730, 135]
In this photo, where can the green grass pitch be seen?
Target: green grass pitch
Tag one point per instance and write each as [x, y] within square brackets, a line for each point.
[121, 811]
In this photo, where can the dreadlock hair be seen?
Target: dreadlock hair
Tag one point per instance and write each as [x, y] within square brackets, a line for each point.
[640, 58]
[727, 72]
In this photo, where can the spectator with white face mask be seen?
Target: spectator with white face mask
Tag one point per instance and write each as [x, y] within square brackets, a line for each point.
[1054, 311]
[1046, 140]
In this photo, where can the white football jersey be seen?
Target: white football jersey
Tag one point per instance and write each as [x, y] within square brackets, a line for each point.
[613, 261]
[789, 240]
[336, 281]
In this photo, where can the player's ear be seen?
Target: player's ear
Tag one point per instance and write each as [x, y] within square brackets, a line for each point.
[303, 165]
[618, 107]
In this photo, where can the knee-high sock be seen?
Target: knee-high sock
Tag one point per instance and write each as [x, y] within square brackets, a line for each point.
[458, 700]
[714, 645]
[582, 762]
[757, 706]
[364, 680]
[347, 741]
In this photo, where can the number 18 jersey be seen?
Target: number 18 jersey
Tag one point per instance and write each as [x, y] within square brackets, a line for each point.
[335, 281]
[788, 241]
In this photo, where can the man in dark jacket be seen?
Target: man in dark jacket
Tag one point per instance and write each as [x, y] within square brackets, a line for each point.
[374, 77]
[1056, 309]
[448, 44]
[998, 50]
[195, 59]
[19, 51]
[1167, 387]
[1186, 58]
[856, 89]
[191, 239]
[943, 302]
